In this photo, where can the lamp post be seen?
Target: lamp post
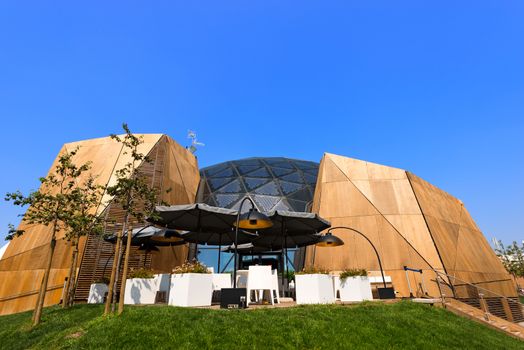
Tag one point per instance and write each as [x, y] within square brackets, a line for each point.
[328, 240]
[251, 220]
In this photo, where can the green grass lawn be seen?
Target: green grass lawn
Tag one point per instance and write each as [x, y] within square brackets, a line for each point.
[401, 325]
[522, 300]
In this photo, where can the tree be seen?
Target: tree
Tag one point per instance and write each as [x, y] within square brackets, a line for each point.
[137, 198]
[51, 206]
[512, 258]
[83, 220]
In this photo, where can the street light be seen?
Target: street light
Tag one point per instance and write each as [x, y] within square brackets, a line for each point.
[328, 240]
[251, 220]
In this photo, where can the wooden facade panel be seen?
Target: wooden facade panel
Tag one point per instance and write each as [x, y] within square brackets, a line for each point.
[21, 296]
[414, 229]
[382, 172]
[332, 173]
[343, 199]
[355, 169]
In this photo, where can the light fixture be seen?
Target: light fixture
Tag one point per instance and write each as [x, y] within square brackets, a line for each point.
[254, 220]
[328, 240]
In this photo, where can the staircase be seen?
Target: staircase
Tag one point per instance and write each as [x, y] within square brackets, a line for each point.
[473, 313]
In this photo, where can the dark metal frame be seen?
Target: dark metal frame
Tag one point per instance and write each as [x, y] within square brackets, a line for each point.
[372, 245]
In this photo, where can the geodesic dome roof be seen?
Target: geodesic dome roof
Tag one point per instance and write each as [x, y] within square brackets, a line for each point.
[273, 183]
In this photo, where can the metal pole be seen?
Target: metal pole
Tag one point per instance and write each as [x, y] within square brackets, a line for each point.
[375, 249]
[236, 238]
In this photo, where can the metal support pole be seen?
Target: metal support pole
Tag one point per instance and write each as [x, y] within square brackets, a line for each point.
[236, 237]
[372, 245]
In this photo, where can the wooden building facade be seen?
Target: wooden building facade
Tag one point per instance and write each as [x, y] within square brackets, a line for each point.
[412, 223]
[22, 265]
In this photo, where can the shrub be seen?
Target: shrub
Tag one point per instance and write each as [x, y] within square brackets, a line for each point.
[352, 273]
[312, 270]
[103, 280]
[141, 273]
[191, 267]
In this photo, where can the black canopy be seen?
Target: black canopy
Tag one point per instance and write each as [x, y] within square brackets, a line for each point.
[195, 217]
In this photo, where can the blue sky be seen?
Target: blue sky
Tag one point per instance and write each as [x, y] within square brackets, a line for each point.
[437, 89]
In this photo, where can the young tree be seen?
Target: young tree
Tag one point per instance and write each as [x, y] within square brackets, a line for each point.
[50, 206]
[84, 199]
[137, 198]
[512, 258]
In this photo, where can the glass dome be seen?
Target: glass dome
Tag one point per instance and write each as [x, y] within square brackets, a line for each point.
[272, 183]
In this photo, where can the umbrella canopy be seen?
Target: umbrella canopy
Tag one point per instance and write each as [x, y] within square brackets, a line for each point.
[293, 223]
[150, 235]
[213, 238]
[197, 217]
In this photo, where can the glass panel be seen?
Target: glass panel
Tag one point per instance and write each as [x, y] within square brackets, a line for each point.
[281, 171]
[244, 169]
[252, 183]
[289, 187]
[297, 205]
[266, 203]
[301, 195]
[216, 183]
[262, 172]
[233, 187]
[310, 179]
[294, 177]
[225, 200]
[225, 173]
[269, 189]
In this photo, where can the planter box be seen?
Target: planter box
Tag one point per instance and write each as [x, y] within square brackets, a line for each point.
[97, 292]
[143, 290]
[191, 289]
[314, 289]
[355, 288]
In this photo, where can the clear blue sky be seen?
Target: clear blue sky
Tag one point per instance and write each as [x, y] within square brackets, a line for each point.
[437, 89]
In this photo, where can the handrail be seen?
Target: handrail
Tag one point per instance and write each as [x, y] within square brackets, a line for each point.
[25, 294]
[474, 286]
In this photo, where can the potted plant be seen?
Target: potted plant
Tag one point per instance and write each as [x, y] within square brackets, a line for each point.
[314, 286]
[191, 285]
[141, 287]
[98, 290]
[354, 285]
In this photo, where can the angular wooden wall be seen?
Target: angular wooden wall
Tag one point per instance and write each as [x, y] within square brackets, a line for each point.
[383, 203]
[21, 267]
[465, 252]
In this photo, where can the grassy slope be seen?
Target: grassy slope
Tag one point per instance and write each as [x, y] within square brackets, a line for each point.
[374, 326]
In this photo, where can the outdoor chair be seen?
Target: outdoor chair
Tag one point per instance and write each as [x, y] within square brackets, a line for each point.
[242, 278]
[220, 280]
[276, 285]
[261, 278]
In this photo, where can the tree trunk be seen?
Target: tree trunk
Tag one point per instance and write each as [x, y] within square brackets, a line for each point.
[117, 276]
[68, 281]
[72, 278]
[38, 311]
[124, 272]
[109, 298]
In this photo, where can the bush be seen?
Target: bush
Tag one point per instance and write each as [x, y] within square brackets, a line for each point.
[191, 267]
[312, 270]
[352, 273]
[103, 280]
[141, 273]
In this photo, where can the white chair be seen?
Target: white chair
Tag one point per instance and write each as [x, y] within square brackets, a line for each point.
[221, 280]
[242, 278]
[276, 284]
[260, 278]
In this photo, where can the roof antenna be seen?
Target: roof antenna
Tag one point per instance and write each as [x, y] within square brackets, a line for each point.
[194, 143]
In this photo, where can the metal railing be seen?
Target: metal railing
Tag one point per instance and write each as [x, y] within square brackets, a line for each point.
[481, 292]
